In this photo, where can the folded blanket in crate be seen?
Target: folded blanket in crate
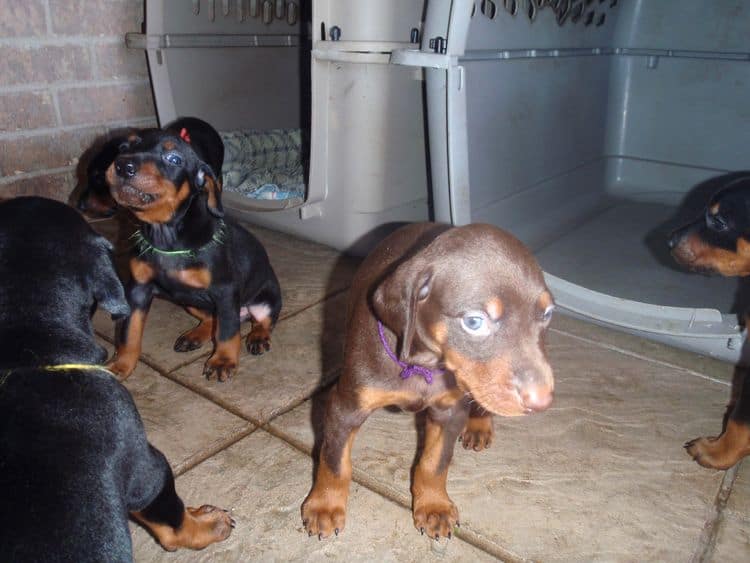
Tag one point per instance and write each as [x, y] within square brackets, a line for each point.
[264, 164]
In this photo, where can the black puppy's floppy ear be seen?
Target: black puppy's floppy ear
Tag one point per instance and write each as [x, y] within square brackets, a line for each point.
[396, 297]
[206, 179]
[107, 288]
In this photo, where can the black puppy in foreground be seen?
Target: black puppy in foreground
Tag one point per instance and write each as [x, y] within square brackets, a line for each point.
[74, 459]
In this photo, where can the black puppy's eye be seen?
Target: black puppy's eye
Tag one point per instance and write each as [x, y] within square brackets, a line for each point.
[123, 146]
[717, 222]
[173, 158]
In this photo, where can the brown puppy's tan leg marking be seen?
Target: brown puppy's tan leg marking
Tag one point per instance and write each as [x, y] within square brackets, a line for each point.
[127, 353]
[197, 336]
[324, 509]
[432, 508]
[200, 527]
[724, 451]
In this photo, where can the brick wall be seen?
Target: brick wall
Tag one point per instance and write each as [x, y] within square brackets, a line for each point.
[66, 78]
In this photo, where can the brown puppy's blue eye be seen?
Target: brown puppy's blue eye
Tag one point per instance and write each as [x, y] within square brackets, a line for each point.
[173, 158]
[475, 323]
[547, 315]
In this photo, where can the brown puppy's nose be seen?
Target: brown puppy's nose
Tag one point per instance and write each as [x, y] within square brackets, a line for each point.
[125, 168]
[536, 397]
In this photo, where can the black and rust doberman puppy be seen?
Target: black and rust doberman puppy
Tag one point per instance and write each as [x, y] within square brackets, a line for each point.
[719, 242]
[96, 201]
[446, 320]
[74, 459]
[187, 252]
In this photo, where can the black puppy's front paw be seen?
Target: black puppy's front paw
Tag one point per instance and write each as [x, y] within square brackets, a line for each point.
[186, 344]
[259, 340]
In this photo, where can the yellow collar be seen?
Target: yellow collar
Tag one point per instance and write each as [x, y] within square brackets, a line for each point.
[65, 367]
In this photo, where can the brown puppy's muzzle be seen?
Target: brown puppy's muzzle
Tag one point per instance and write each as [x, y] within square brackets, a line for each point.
[502, 388]
[535, 387]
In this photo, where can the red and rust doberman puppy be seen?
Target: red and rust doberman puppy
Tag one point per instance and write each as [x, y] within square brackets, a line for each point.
[187, 252]
[446, 320]
[719, 242]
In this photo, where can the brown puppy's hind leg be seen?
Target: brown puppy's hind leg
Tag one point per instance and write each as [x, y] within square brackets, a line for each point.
[197, 336]
[478, 433]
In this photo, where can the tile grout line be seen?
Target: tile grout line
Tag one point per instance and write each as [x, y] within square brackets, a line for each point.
[323, 299]
[373, 485]
[707, 539]
[196, 459]
[632, 354]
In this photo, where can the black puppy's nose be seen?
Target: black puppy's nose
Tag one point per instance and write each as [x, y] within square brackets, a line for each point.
[125, 168]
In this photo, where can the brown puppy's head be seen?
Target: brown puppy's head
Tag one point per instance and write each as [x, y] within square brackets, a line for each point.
[157, 174]
[475, 297]
[718, 242]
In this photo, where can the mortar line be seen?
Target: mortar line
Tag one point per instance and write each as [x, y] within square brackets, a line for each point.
[198, 458]
[707, 539]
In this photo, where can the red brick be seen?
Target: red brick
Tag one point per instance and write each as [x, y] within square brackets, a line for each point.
[117, 61]
[26, 110]
[56, 186]
[45, 151]
[22, 19]
[104, 104]
[96, 17]
[44, 64]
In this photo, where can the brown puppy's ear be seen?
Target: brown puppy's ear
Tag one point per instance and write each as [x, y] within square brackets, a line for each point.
[206, 179]
[396, 298]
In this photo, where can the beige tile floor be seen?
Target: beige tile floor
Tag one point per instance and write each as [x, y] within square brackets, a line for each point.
[600, 476]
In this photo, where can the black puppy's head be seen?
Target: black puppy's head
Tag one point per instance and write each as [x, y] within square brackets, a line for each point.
[95, 199]
[156, 174]
[719, 241]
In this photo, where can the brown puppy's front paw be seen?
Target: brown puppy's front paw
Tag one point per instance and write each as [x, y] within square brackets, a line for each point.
[258, 341]
[436, 517]
[477, 434]
[321, 518]
[220, 368]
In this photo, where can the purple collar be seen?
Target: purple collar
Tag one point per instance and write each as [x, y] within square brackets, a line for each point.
[407, 370]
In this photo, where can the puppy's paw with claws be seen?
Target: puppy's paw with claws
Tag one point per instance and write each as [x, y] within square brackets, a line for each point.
[323, 519]
[436, 517]
[221, 369]
[477, 434]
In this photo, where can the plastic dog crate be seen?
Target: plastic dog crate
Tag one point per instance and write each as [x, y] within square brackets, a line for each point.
[588, 128]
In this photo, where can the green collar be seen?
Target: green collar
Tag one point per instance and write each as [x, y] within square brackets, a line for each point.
[143, 246]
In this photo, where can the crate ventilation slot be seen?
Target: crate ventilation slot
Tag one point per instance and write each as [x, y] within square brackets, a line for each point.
[267, 11]
[587, 12]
